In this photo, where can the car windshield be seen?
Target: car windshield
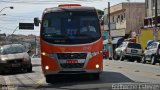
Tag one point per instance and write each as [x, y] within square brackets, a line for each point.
[12, 49]
[134, 45]
[70, 27]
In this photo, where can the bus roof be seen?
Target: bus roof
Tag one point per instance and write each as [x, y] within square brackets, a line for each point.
[77, 8]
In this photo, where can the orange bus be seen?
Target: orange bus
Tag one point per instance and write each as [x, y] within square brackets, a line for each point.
[71, 42]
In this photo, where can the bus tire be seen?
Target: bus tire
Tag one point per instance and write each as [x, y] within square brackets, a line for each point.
[51, 78]
[96, 76]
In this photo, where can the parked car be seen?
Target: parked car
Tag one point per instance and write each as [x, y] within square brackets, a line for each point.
[128, 50]
[152, 53]
[14, 57]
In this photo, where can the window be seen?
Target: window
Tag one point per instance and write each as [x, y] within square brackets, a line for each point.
[134, 45]
[124, 15]
[154, 45]
[113, 19]
[121, 17]
[153, 3]
[146, 4]
[118, 18]
[70, 27]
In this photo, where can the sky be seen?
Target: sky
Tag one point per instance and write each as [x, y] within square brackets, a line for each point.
[26, 10]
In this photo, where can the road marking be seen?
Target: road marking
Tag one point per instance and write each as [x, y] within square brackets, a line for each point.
[131, 70]
[38, 83]
[6, 78]
[8, 84]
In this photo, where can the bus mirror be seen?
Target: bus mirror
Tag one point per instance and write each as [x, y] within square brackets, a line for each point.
[36, 21]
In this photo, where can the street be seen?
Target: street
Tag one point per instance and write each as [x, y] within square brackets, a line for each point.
[114, 72]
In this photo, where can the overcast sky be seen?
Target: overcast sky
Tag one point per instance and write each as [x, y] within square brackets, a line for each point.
[26, 10]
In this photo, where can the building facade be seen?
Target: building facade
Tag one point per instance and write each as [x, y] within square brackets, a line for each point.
[125, 18]
[150, 13]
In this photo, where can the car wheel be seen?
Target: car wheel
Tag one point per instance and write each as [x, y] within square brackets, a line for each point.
[29, 69]
[105, 57]
[1, 72]
[143, 60]
[153, 60]
[122, 57]
[115, 57]
[139, 60]
[131, 60]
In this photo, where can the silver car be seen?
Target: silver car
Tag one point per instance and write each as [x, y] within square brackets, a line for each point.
[129, 50]
[14, 57]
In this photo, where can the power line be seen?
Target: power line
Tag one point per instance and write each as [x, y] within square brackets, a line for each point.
[16, 18]
[48, 2]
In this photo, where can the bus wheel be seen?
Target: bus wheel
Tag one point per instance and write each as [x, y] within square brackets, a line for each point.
[96, 76]
[51, 78]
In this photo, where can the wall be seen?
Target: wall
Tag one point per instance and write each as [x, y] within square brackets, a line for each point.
[135, 14]
[146, 34]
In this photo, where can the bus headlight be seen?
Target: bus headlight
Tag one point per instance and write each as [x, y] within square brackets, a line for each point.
[97, 65]
[47, 67]
[43, 53]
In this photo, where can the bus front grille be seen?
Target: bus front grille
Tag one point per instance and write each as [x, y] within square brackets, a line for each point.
[72, 55]
[76, 65]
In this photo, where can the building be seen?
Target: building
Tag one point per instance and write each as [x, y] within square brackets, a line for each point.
[150, 13]
[125, 18]
[149, 32]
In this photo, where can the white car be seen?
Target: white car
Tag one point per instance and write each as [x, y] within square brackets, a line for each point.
[14, 57]
[129, 50]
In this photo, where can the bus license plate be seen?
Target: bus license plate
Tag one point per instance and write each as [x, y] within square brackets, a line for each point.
[71, 61]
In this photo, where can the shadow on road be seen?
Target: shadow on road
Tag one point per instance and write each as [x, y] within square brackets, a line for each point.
[107, 79]
[15, 73]
[79, 82]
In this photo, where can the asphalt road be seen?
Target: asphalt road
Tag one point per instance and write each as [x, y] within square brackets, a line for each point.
[116, 74]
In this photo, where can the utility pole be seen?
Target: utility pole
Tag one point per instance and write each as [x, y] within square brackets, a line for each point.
[155, 21]
[109, 34]
[109, 31]
[35, 46]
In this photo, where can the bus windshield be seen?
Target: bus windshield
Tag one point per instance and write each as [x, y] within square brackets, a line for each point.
[70, 27]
